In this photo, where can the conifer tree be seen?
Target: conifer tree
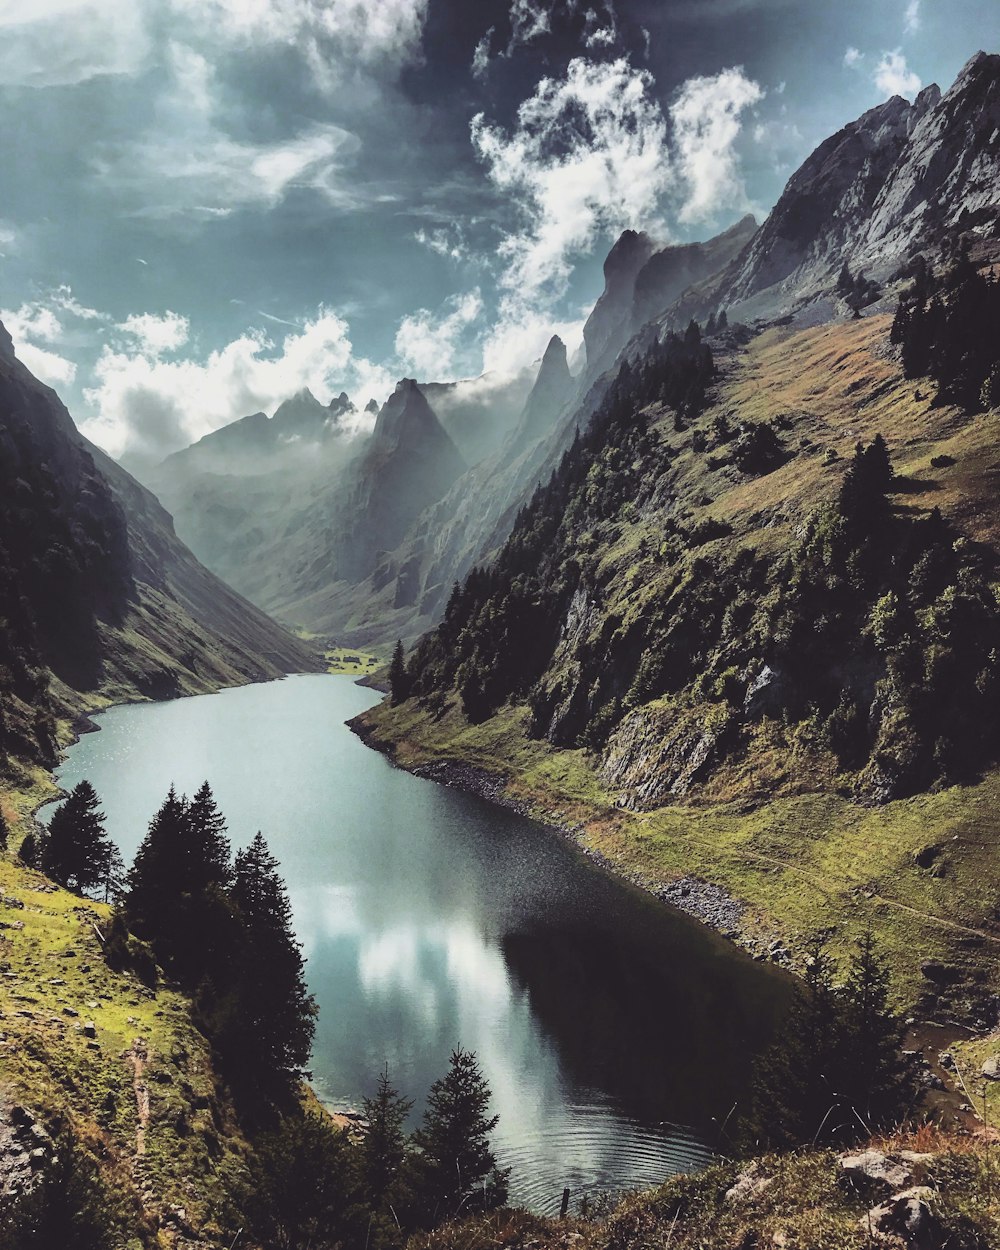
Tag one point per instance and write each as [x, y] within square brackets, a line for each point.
[276, 1012]
[399, 685]
[384, 1148]
[206, 846]
[879, 1083]
[155, 879]
[457, 1169]
[4, 831]
[77, 851]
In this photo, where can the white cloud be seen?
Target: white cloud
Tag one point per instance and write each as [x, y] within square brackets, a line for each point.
[428, 344]
[894, 77]
[187, 165]
[588, 155]
[448, 241]
[911, 17]
[8, 237]
[63, 42]
[707, 122]
[481, 56]
[146, 406]
[853, 57]
[528, 20]
[155, 333]
[43, 321]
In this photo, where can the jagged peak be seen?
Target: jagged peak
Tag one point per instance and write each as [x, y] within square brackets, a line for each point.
[372, 406]
[6, 344]
[978, 65]
[555, 352]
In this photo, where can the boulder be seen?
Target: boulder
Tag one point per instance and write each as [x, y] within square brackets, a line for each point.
[991, 1068]
[873, 1167]
[909, 1216]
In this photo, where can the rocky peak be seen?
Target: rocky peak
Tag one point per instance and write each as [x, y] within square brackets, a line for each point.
[613, 310]
[407, 419]
[553, 389]
[372, 407]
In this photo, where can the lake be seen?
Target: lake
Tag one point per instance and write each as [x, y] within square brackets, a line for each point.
[616, 1034]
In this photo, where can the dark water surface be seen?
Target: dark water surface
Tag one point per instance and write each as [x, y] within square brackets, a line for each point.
[615, 1033]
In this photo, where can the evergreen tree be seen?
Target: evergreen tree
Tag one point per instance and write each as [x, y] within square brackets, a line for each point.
[77, 851]
[796, 1094]
[457, 1169]
[879, 1083]
[4, 831]
[383, 1151]
[276, 1014]
[399, 685]
[206, 847]
[304, 1192]
[155, 879]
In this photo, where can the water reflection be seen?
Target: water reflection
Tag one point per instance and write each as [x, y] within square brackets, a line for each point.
[431, 919]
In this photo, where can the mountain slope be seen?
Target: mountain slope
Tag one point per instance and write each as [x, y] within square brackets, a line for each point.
[99, 593]
[895, 182]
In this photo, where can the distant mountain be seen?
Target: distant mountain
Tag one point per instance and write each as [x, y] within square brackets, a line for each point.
[100, 597]
[479, 413]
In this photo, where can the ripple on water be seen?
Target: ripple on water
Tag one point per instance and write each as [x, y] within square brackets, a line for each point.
[589, 1155]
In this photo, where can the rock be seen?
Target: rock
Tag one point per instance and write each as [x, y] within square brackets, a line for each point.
[939, 973]
[907, 1215]
[874, 1166]
[991, 1068]
[748, 1185]
[89, 1029]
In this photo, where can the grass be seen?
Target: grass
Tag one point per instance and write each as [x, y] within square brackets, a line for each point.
[799, 1201]
[349, 660]
[179, 1149]
[772, 825]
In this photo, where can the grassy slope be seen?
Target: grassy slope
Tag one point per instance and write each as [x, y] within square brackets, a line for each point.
[801, 1203]
[142, 1094]
[771, 826]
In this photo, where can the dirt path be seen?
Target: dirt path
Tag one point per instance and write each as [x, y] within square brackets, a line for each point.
[137, 1058]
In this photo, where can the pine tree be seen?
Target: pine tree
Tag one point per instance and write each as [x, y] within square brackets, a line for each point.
[796, 1093]
[28, 851]
[277, 1013]
[457, 1169]
[878, 1082]
[77, 851]
[4, 831]
[155, 878]
[206, 845]
[383, 1151]
[399, 685]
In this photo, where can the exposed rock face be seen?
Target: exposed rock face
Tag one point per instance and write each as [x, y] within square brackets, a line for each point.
[656, 754]
[553, 390]
[479, 413]
[610, 324]
[882, 188]
[670, 271]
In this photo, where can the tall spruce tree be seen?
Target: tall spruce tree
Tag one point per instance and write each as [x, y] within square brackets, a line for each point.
[77, 851]
[155, 878]
[276, 1013]
[457, 1170]
[383, 1151]
[399, 685]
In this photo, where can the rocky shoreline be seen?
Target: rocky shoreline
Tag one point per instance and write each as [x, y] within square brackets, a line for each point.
[702, 900]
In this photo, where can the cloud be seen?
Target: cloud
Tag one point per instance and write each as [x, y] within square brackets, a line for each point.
[66, 42]
[528, 20]
[911, 17]
[481, 56]
[146, 406]
[331, 34]
[157, 333]
[187, 165]
[427, 344]
[44, 321]
[587, 155]
[50, 43]
[894, 77]
[853, 57]
[707, 121]
[8, 237]
[447, 241]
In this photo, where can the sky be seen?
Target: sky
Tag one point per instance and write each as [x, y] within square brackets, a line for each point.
[209, 204]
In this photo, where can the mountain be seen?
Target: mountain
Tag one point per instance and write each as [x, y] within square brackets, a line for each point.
[101, 598]
[896, 182]
[479, 413]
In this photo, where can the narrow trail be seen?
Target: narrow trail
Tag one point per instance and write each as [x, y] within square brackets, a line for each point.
[137, 1058]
